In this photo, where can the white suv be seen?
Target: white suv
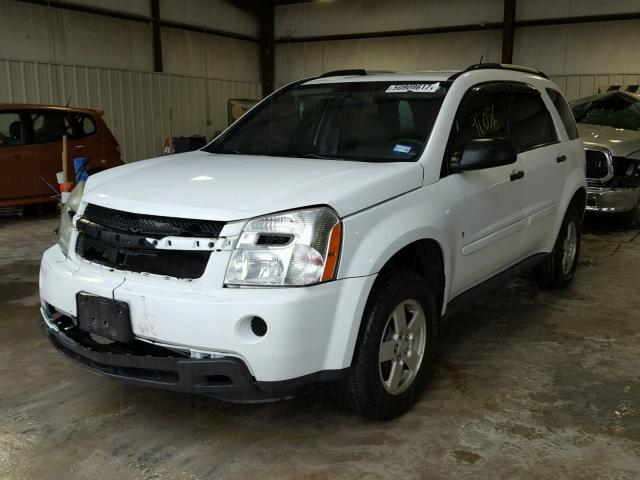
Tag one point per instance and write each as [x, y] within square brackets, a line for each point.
[321, 237]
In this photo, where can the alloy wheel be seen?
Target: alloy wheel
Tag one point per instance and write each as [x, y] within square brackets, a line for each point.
[402, 346]
[569, 248]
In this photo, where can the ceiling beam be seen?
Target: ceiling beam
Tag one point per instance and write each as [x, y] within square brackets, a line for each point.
[157, 37]
[463, 28]
[508, 29]
[393, 33]
[63, 5]
[615, 17]
[266, 13]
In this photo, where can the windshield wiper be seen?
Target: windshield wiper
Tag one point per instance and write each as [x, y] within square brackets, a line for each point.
[314, 155]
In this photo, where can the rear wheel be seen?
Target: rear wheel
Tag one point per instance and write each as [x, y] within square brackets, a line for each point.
[395, 346]
[558, 269]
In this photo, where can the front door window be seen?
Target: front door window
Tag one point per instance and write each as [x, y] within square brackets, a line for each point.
[11, 130]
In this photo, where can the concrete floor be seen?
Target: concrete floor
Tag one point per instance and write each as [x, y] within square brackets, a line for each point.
[529, 384]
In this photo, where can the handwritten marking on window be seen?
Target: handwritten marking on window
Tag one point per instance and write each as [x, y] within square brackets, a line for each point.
[484, 121]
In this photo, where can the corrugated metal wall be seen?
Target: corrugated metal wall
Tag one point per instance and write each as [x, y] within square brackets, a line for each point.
[141, 108]
[144, 108]
[576, 86]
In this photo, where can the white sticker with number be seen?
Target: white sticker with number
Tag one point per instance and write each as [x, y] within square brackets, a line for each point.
[414, 87]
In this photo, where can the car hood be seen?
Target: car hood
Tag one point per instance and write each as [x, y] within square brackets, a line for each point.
[233, 187]
[621, 142]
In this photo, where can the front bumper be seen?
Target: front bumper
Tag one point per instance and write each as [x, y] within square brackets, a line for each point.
[310, 330]
[612, 200]
[225, 378]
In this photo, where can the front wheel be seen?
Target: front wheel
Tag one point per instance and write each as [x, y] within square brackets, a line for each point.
[394, 348]
[558, 269]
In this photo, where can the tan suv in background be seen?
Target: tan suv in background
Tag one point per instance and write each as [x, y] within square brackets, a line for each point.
[31, 147]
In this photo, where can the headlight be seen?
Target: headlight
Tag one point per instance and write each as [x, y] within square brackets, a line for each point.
[300, 247]
[66, 216]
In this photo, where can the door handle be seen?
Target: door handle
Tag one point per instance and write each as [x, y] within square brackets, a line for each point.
[516, 175]
[561, 158]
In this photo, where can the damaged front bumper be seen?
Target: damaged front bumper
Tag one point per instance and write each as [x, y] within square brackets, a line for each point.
[139, 363]
[310, 330]
[612, 200]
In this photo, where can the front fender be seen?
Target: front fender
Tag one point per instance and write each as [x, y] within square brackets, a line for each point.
[374, 235]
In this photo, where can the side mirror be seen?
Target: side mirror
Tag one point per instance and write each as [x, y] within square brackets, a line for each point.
[482, 153]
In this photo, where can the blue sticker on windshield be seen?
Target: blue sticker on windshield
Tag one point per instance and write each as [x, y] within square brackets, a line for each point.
[398, 148]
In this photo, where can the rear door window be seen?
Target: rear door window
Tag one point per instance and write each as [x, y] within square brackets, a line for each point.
[11, 129]
[566, 115]
[532, 123]
[49, 126]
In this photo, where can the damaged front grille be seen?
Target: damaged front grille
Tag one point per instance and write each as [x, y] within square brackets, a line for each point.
[172, 263]
[152, 225]
[129, 245]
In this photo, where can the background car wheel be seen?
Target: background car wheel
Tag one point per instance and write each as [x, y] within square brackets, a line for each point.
[558, 269]
[633, 219]
[394, 349]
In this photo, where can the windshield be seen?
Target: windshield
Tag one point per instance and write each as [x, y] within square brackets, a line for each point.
[613, 110]
[367, 121]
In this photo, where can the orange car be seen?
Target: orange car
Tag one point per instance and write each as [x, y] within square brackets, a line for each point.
[31, 148]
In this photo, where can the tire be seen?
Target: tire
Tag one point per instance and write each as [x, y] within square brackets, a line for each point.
[558, 269]
[387, 389]
[633, 217]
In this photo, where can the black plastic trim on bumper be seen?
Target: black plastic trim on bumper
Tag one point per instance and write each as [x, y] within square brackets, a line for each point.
[225, 378]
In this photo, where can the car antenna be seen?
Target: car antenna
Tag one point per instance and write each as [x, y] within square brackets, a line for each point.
[68, 102]
[481, 57]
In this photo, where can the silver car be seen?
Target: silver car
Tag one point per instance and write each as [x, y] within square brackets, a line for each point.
[609, 125]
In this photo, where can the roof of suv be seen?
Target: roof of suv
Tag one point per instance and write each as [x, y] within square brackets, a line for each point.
[436, 76]
[359, 75]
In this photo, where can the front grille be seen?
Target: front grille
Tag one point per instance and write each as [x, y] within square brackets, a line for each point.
[597, 164]
[152, 225]
[102, 239]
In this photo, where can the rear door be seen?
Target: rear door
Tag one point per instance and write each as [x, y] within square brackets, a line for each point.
[82, 135]
[48, 128]
[544, 160]
[489, 212]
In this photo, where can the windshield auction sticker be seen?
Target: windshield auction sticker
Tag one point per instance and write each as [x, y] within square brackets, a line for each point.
[413, 87]
[399, 148]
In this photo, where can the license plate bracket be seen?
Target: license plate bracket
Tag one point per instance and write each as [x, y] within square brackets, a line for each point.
[105, 317]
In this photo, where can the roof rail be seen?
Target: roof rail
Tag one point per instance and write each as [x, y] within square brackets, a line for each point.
[344, 73]
[498, 66]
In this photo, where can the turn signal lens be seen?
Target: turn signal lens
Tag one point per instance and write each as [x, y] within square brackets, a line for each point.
[333, 253]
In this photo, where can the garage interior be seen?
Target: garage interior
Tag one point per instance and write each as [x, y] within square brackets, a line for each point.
[527, 384]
